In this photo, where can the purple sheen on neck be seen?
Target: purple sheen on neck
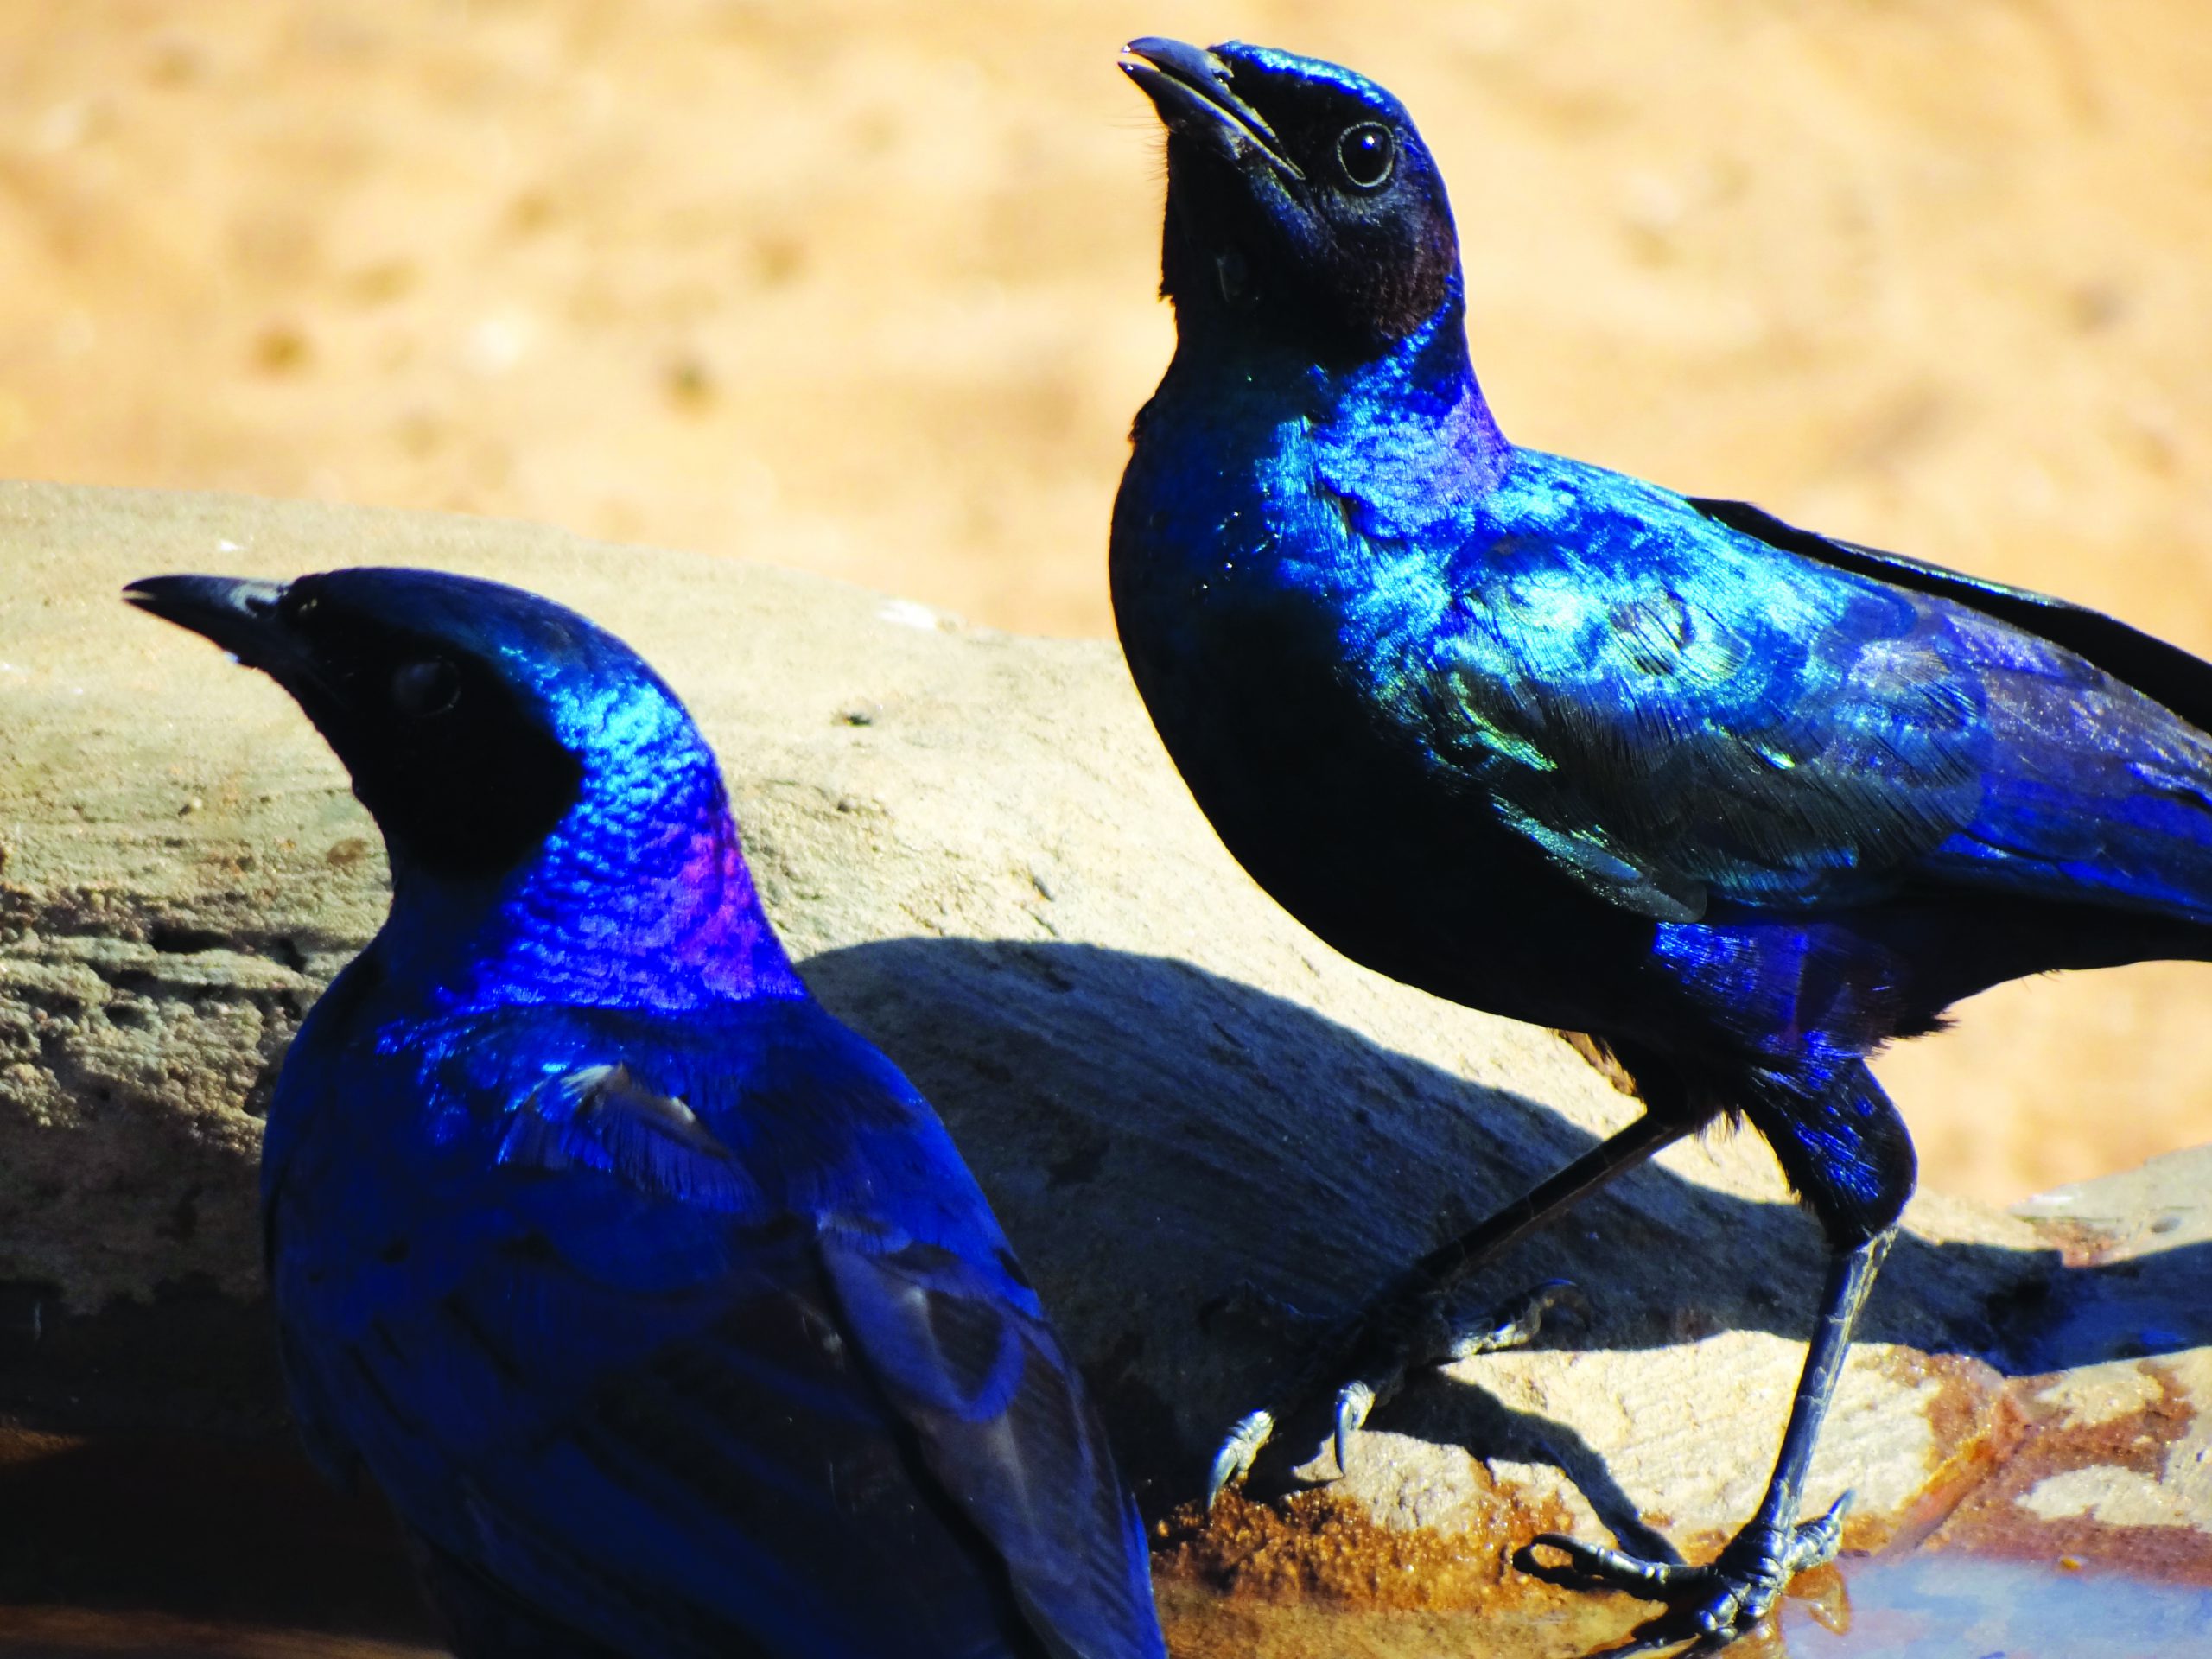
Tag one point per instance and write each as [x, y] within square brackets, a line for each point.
[641, 898]
[1414, 435]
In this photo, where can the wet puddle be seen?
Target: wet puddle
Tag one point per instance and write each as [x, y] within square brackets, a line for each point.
[1944, 1605]
[1936, 1605]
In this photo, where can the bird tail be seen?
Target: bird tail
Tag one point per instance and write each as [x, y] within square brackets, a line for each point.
[2103, 800]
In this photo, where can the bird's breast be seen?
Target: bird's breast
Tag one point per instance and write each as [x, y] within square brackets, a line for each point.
[1261, 625]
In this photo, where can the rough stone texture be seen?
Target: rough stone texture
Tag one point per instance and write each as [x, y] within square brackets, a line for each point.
[981, 857]
[2112, 1457]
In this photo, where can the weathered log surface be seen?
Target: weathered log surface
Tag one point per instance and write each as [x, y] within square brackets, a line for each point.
[981, 857]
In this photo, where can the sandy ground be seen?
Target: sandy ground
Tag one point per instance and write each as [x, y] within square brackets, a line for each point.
[867, 287]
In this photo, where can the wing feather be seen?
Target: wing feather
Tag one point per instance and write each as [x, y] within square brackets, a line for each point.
[1689, 702]
[707, 1367]
[1675, 724]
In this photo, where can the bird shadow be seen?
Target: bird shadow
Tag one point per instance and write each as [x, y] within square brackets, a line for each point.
[1157, 1139]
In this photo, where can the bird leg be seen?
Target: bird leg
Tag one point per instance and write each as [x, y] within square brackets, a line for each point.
[1734, 1592]
[1412, 1324]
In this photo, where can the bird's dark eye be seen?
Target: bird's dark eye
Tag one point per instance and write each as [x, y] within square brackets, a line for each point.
[1367, 153]
[422, 688]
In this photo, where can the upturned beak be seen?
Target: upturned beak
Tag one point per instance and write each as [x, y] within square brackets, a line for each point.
[1189, 86]
[237, 613]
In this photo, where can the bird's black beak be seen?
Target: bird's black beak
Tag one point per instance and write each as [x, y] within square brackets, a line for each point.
[237, 613]
[1189, 86]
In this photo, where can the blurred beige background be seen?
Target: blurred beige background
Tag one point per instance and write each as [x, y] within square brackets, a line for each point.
[868, 287]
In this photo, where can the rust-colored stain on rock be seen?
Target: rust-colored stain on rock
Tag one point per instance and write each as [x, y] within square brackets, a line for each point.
[1993, 1520]
[1200, 1624]
[1314, 1573]
[1975, 1423]
[1315, 1545]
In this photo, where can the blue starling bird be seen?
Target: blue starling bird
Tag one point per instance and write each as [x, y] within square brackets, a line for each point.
[657, 1302]
[1737, 801]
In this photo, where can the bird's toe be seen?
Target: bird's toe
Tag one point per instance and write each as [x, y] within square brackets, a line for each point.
[1720, 1602]
[1234, 1460]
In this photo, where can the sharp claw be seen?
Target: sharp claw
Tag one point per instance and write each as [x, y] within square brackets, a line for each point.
[1235, 1458]
[1354, 1401]
[1390, 1346]
[1833, 1519]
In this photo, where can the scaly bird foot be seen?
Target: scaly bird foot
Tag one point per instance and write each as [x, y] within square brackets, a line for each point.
[1725, 1600]
[1378, 1349]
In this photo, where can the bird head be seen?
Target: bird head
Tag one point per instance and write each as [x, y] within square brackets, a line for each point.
[1301, 203]
[509, 750]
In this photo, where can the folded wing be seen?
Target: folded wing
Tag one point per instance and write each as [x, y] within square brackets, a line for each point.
[1684, 707]
[735, 1370]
